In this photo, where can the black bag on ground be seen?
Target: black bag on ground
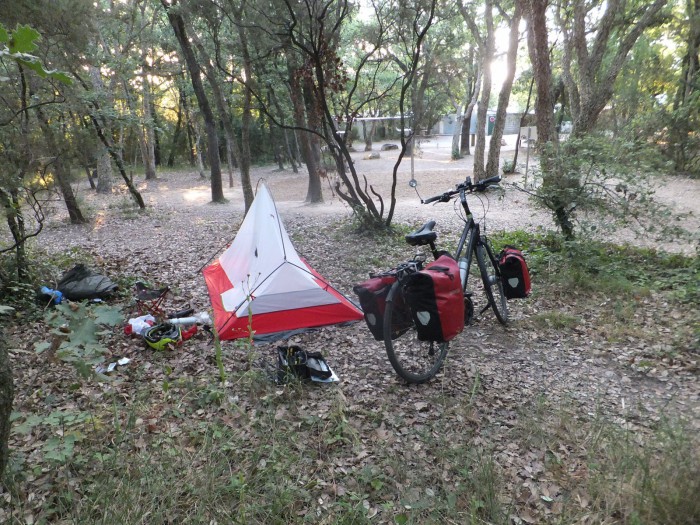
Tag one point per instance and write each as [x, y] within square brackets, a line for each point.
[294, 361]
[515, 275]
[372, 295]
[435, 298]
[80, 283]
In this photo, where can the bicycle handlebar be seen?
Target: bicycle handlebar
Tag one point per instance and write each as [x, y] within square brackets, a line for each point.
[467, 186]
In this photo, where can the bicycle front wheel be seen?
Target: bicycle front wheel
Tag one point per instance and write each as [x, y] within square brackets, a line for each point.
[414, 360]
[493, 286]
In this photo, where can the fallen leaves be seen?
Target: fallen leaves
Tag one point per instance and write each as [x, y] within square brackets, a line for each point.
[371, 440]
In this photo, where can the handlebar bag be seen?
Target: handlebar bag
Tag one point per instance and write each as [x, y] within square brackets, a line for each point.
[515, 275]
[434, 296]
[372, 295]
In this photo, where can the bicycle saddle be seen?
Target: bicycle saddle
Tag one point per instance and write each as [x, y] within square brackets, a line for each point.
[424, 236]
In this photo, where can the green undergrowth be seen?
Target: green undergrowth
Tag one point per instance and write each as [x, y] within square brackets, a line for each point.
[596, 267]
[631, 291]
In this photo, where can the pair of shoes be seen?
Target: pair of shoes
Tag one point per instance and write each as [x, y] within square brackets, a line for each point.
[294, 361]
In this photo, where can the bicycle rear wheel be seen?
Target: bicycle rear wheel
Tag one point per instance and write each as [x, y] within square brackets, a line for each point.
[491, 277]
[414, 360]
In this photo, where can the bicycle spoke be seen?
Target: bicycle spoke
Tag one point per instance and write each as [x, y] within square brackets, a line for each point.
[414, 360]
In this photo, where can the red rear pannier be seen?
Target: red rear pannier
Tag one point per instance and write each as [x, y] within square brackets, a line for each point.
[514, 273]
[435, 298]
[372, 295]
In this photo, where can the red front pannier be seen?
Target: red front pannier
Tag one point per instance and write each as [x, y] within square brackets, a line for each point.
[515, 275]
[372, 295]
[435, 298]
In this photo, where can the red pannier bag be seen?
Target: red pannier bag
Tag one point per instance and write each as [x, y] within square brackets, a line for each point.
[514, 273]
[372, 295]
[435, 298]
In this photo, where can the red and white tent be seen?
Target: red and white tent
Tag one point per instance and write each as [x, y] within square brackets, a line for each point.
[261, 283]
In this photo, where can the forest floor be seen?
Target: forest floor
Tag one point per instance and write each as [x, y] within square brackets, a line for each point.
[523, 402]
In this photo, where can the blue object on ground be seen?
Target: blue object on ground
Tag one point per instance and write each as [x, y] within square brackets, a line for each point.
[56, 296]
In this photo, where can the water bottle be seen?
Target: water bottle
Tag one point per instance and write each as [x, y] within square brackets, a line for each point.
[200, 318]
[463, 269]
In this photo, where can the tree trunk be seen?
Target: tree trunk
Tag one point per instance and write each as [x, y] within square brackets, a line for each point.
[313, 193]
[482, 110]
[90, 178]
[522, 122]
[157, 150]
[244, 158]
[198, 151]
[105, 176]
[298, 109]
[538, 46]
[178, 25]
[504, 95]
[148, 133]
[6, 398]
[233, 151]
[287, 145]
[290, 154]
[12, 207]
[60, 170]
[369, 135]
[176, 134]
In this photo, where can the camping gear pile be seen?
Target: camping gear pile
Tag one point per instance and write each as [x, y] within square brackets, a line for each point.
[259, 287]
[171, 332]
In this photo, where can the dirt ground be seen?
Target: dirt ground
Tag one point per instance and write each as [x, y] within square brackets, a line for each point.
[511, 369]
[182, 231]
[435, 171]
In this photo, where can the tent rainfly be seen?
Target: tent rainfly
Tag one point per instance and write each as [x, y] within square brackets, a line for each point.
[260, 283]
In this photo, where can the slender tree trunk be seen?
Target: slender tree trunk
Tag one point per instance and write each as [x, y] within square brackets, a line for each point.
[176, 135]
[157, 150]
[313, 193]
[12, 207]
[105, 176]
[504, 95]
[244, 159]
[89, 177]
[61, 170]
[148, 133]
[368, 132]
[178, 25]
[232, 149]
[6, 398]
[198, 151]
[522, 122]
[482, 111]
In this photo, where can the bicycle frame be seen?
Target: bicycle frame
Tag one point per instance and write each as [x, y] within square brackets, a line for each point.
[471, 236]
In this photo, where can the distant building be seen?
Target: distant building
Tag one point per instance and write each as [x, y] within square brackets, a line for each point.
[447, 125]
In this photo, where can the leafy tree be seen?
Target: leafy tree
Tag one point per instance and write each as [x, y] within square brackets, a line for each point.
[16, 58]
[597, 40]
[684, 120]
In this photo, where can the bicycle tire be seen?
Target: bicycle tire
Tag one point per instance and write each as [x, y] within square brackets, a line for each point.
[493, 286]
[413, 360]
